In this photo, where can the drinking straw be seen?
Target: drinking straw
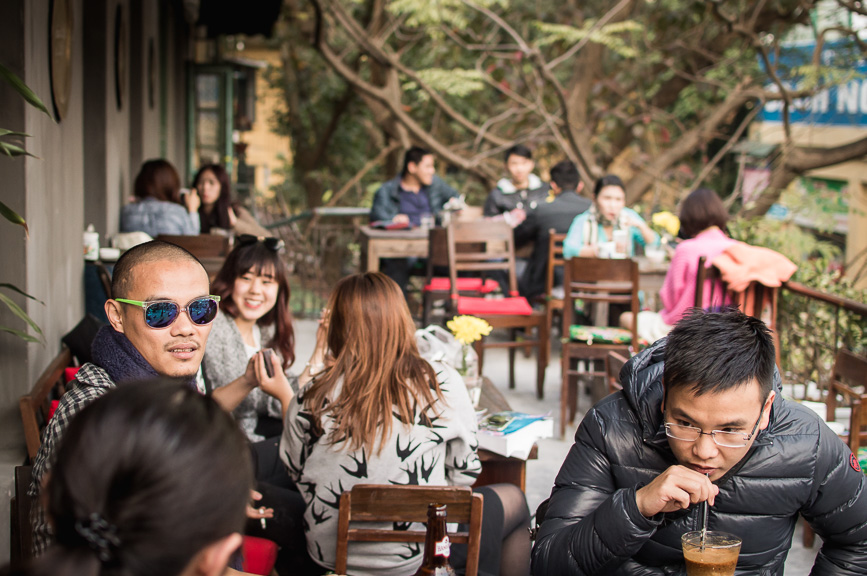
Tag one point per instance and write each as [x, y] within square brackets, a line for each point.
[704, 511]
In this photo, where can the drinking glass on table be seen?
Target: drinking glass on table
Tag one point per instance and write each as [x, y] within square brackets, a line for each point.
[427, 221]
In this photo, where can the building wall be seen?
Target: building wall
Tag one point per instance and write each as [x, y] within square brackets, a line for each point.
[49, 192]
[107, 141]
[854, 172]
[81, 173]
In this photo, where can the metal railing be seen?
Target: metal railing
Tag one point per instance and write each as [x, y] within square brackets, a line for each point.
[321, 248]
[813, 326]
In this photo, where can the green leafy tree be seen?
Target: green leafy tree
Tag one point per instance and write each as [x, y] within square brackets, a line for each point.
[657, 91]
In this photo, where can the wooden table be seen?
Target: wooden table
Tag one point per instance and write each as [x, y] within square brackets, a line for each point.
[498, 469]
[377, 244]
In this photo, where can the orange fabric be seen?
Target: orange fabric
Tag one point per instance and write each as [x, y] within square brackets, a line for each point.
[741, 264]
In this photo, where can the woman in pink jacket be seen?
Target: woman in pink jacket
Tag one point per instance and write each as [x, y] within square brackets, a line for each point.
[703, 219]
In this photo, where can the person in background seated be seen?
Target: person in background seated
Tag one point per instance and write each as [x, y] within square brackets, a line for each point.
[151, 478]
[217, 209]
[703, 219]
[701, 418]
[557, 212]
[607, 214]
[372, 411]
[518, 193]
[405, 199]
[159, 208]
[254, 300]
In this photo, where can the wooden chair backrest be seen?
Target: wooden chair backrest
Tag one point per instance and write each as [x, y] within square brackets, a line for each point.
[849, 380]
[555, 258]
[613, 365]
[757, 300]
[481, 246]
[383, 503]
[712, 292]
[34, 405]
[21, 537]
[611, 280]
[438, 249]
[201, 246]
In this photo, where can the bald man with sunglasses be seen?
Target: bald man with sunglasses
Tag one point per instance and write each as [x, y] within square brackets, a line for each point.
[160, 317]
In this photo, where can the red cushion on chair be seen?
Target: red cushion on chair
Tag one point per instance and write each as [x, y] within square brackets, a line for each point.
[473, 306]
[259, 555]
[69, 373]
[464, 285]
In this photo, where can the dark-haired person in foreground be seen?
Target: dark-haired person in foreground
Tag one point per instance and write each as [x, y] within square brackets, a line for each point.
[159, 320]
[645, 458]
[151, 478]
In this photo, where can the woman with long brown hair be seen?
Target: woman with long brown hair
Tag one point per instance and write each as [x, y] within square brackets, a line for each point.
[372, 410]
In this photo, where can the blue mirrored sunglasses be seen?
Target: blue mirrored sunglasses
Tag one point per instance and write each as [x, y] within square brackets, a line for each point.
[163, 313]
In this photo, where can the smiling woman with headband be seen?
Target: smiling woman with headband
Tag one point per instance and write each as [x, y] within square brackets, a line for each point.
[152, 478]
[250, 348]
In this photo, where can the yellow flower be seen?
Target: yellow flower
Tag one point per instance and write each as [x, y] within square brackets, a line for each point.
[468, 329]
[666, 221]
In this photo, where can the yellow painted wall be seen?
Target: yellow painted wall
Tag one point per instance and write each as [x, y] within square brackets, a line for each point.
[264, 146]
[855, 173]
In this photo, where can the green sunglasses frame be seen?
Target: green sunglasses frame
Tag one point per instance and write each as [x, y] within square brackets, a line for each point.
[147, 303]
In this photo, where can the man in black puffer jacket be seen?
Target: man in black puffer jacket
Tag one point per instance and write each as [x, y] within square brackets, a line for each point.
[645, 458]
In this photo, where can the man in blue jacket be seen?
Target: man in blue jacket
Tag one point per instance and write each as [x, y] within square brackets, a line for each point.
[405, 199]
[646, 458]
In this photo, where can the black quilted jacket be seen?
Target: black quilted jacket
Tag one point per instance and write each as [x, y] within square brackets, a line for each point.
[797, 465]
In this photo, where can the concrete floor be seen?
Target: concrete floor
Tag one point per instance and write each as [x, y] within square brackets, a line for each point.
[552, 452]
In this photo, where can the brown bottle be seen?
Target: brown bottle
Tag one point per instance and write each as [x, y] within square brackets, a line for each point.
[436, 544]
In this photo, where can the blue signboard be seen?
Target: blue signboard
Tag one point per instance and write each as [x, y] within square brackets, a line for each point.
[843, 105]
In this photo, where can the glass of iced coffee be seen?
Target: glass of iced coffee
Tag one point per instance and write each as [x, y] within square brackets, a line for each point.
[718, 557]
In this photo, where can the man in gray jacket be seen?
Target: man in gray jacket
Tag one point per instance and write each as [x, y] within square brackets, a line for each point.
[644, 460]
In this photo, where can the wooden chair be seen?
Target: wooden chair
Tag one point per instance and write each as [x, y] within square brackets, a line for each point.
[596, 280]
[848, 374]
[512, 312]
[614, 363]
[36, 404]
[555, 260]
[201, 246]
[377, 503]
[713, 293]
[21, 538]
[439, 288]
[849, 382]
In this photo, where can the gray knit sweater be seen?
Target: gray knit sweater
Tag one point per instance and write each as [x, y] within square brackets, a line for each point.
[226, 360]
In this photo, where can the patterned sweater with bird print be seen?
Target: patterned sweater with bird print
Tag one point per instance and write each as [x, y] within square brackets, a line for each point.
[439, 450]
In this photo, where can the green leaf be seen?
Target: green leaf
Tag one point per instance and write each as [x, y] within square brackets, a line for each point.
[13, 217]
[13, 150]
[22, 89]
[16, 309]
[23, 335]
[5, 132]
[16, 289]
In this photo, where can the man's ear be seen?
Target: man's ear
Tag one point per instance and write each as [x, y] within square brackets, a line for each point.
[580, 187]
[554, 187]
[112, 311]
[214, 558]
[766, 410]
